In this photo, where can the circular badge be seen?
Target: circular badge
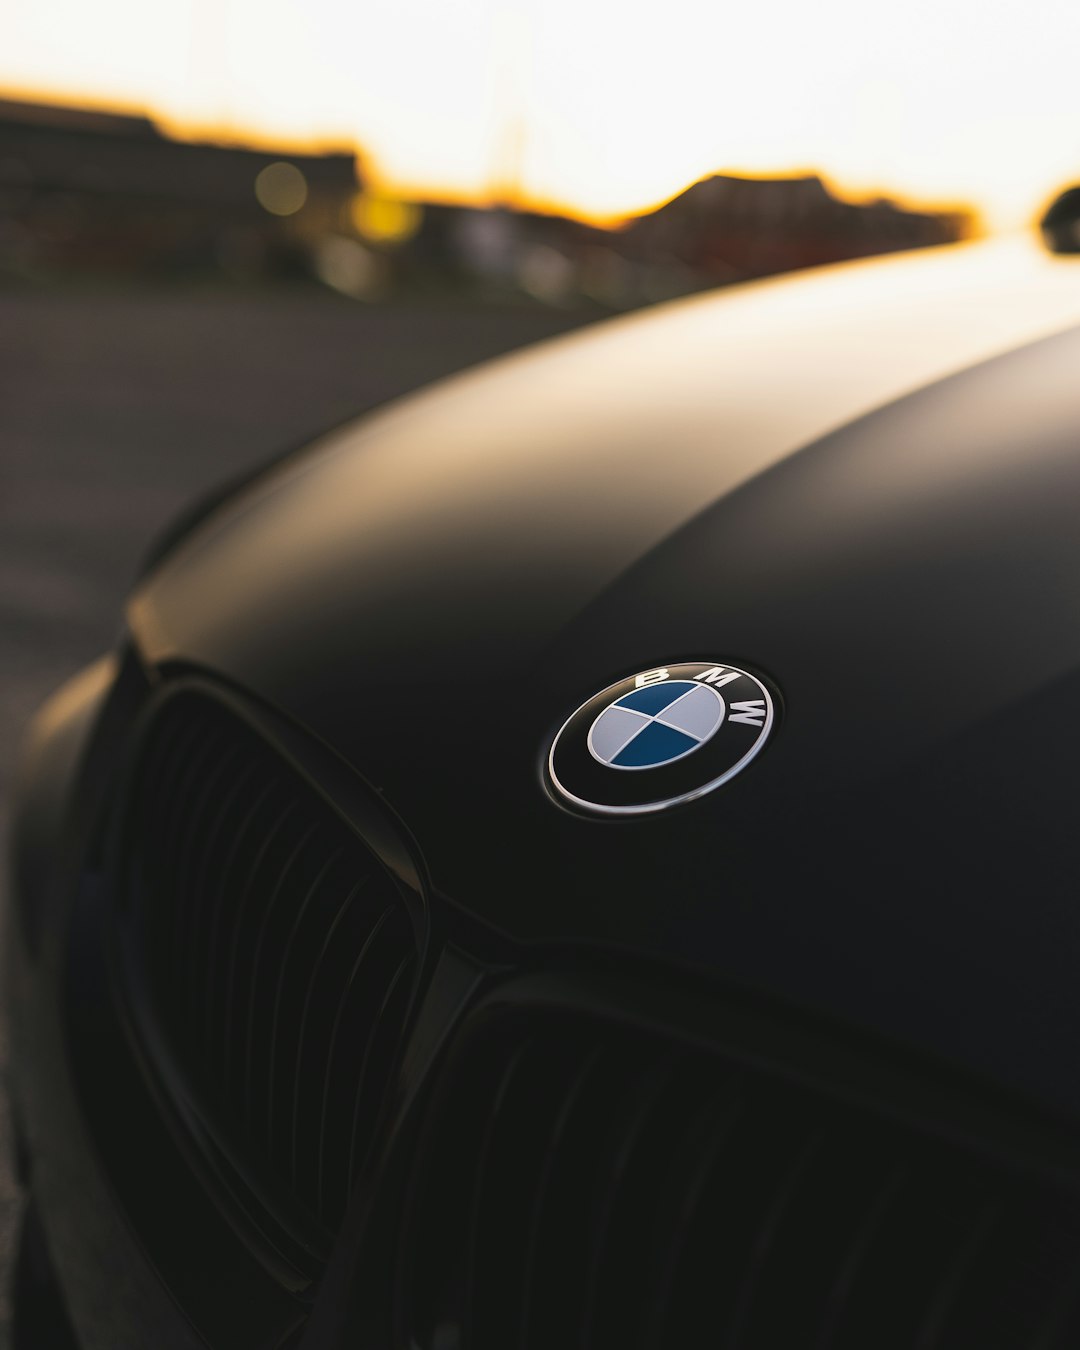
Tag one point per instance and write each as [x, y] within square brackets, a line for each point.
[661, 737]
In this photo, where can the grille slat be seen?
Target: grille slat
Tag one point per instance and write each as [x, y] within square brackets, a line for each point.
[331, 1141]
[691, 1166]
[793, 1173]
[271, 957]
[503, 1186]
[368, 1068]
[532, 1301]
[303, 1051]
[188, 860]
[934, 1333]
[256, 1044]
[234, 988]
[580, 1184]
[848, 1267]
[288, 959]
[175, 857]
[614, 1255]
[207, 898]
[212, 985]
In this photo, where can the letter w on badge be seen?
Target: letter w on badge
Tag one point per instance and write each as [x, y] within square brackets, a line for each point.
[751, 712]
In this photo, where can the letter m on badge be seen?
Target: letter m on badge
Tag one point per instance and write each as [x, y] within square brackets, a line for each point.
[718, 676]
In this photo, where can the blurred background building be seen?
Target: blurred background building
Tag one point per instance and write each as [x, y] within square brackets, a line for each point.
[87, 193]
[91, 192]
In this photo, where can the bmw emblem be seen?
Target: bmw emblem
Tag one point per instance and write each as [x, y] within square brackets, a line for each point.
[661, 737]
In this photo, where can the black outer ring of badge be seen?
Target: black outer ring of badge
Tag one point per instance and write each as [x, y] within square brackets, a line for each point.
[583, 782]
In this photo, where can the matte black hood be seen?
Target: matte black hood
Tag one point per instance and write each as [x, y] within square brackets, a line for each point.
[864, 484]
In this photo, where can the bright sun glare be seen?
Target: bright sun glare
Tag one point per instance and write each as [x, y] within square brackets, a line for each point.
[598, 106]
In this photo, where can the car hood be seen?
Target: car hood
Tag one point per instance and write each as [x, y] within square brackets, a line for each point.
[862, 483]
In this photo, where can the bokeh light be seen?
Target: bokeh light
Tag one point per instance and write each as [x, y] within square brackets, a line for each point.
[385, 220]
[281, 189]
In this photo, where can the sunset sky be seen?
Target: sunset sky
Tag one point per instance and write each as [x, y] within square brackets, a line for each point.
[598, 106]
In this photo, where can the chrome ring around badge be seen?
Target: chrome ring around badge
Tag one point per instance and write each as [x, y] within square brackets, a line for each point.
[661, 737]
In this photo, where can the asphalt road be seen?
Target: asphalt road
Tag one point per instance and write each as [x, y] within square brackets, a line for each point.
[118, 409]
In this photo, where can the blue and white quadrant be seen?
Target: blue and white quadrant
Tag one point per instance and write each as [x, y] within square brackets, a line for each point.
[656, 725]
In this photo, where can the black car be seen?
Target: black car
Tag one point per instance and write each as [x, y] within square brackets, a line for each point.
[589, 857]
